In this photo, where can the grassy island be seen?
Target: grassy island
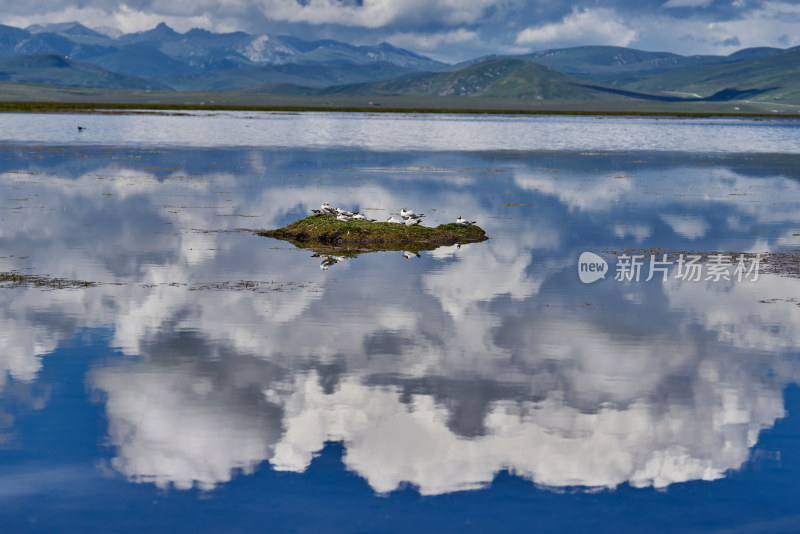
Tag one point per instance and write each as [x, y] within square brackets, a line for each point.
[325, 233]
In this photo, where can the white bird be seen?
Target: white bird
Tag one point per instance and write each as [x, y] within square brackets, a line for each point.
[395, 220]
[412, 222]
[327, 208]
[409, 213]
[461, 220]
[346, 213]
[361, 217]
[343, 218]
[408, 254]
[328, 261]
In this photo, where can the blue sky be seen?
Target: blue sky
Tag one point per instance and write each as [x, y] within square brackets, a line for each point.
[453, 30]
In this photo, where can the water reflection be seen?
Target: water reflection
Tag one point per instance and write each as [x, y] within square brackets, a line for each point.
[237, 352]
[328, 260]
[392, 132]
[558, 394]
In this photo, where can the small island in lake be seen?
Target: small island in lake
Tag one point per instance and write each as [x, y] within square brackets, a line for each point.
[323, 232]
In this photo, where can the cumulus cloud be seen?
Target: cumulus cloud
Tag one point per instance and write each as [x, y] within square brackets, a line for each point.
[765, 24]
[176, 428]
[453, 29]
[378, 13]
[550, 442]
[122, 17]
[582, 25]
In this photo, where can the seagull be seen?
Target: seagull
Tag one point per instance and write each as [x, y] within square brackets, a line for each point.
[409, 213]
[317, 212]
[343, 218]
[361, 217]
[346, 213]
[412, 222]
[326, 208]
[460, 220]
[395, 220]
[328, 261]
[408, 254]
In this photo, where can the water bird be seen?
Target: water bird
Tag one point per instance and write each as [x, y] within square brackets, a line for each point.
[327, 263]
[326, 208]
[412, 222]
[461, 220]
[81, 128]
[404, 213]
[343, 218]
[346, 213]
[328, 260]
[395, 220]
[408, 254]
[361, 217]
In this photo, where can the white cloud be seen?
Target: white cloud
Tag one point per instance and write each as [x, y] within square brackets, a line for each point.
[378, 13]
[551, 442]
[599, 193]
[689, 226]
[435, 25]
[422, 41]
[172, 427]
[123, 18]
[771, 24]
[688, 3]
[587, 26]
[773, 324]
[638, 232]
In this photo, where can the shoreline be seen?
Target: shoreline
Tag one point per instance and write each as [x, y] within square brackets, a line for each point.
[123, 108]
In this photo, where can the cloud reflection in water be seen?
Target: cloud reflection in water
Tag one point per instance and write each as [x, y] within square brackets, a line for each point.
[437, 373]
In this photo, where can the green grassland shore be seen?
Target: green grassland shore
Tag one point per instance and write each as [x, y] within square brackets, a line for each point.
[33, 98]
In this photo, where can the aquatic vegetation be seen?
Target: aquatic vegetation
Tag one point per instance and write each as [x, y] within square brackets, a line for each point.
[13, 279]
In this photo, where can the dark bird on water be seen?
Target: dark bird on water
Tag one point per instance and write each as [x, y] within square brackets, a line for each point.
[81, 128]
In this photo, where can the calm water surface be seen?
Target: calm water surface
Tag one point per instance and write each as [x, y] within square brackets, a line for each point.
[211, 380]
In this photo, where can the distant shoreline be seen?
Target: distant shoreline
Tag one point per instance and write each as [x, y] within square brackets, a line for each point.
[130, 107]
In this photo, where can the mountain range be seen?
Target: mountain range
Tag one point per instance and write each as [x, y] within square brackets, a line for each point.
[161, 59]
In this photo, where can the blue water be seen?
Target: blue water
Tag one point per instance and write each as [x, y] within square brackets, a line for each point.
[214, 380]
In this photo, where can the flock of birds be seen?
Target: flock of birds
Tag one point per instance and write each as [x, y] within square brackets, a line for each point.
[329, 260]
[407, 217]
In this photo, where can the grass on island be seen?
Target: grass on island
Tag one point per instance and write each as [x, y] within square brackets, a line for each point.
[323, 233]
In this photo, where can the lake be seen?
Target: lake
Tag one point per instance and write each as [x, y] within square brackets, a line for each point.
[622, 354]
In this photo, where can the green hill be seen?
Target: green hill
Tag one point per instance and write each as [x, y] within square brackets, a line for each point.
[307, 75]
[600, 63]
[771, 78]
[54, 69]
[499, 78]
[618, 65]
